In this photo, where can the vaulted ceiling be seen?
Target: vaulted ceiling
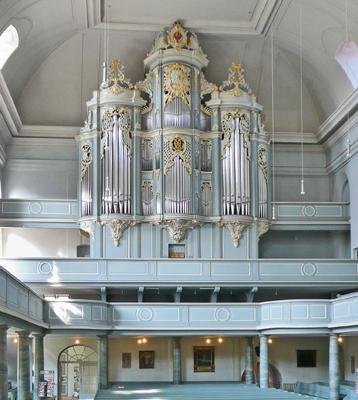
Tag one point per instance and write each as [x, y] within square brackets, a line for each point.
[57, 65]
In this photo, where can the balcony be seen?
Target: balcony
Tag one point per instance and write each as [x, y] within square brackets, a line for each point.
[258, 272]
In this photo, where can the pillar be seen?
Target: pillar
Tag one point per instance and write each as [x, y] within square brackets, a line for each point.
[249, 371]
[3, 363]
[333, 367]
[176, 361]
[263, 362]
[38, 341]
[103, 361]
[23, 366]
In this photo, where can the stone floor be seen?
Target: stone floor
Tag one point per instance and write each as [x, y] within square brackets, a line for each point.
[195, 391]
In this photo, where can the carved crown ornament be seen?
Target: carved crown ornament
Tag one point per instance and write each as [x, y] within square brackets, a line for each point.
[178, 38]
[118, 227]
[236, 81]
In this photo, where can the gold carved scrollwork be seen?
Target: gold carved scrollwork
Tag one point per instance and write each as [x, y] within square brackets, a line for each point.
[117, 78]
[146, 87]
[86, 158]
[235, 81]
[122, 117]
[177, 83]
[177, 146]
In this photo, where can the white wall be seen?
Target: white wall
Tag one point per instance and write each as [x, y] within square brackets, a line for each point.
[40, 242]
[282, 354]
[163, 365]
[227, 360]
[350, 348]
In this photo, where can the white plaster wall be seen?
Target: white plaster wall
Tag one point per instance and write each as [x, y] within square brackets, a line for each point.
[163, 365]
[282, 354]
[227, 360]
[40, 242]
[350, 348]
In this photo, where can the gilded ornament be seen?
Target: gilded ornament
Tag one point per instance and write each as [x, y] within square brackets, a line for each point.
[177, 228]
[262, 228]
[117, 80]
[177, 146]
[236, 81]
[236, 229]
[118, 227]
[176, 83]
[262, 159]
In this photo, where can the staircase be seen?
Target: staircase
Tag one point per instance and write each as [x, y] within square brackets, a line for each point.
[195, 391]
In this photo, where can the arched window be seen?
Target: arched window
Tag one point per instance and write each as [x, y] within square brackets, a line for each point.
[347, 58]
[9, 42]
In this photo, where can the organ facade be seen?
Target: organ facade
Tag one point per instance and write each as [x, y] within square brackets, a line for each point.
[174, 157]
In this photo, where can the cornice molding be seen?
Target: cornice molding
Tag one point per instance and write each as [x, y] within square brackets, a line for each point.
[49, 131]
[336, 119]
[8, 111]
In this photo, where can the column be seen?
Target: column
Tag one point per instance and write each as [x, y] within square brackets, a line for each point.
[249, 371]
[38, 341]
[333, 367]
[263, 362]
[3, 362]
[176, 361]
[103, 361]
[23, 366]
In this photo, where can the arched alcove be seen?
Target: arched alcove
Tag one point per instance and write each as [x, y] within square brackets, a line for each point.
[77, 372]
[9, 42]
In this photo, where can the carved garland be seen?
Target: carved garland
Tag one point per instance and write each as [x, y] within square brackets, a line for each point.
[86, 158]
[176, 83]
[177, 146]
[227, 124]
[262, 159]
[123, 117]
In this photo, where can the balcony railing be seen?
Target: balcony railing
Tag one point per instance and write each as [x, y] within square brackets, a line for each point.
[284, 315]
[171, 271]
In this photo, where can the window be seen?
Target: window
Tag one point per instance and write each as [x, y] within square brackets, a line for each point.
[347, 58]
[9, 42]
[204, 359]
[306, 358]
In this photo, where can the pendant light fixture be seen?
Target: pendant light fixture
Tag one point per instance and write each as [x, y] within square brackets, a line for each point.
[301, 104]
[273, 125]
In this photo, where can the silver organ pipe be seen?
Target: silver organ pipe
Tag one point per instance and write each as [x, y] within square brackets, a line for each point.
[148, 198]
[236, 168]
[116, 165]
[205, 155]
[176, 114]
[262, 161]
[86, 180]
[206, 199]
[178, 189]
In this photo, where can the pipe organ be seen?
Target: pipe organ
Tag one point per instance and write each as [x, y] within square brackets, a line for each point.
[174, 150]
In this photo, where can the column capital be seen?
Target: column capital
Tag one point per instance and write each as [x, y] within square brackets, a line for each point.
[333, 335]
[39, 335]
[23, 334]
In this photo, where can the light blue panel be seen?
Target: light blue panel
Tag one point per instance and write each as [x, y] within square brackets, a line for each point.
[299, 311]
[188, 270]
[146, 239]
[341, 310]
[124, 313]
[318, 311]
[132, 271]
[229, 250]
[231, 270]
[110, 250]
[206, 238]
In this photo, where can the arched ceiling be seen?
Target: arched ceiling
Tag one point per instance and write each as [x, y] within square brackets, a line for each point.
[57, 65]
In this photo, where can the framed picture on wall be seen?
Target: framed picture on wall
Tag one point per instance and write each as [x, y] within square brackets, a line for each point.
[126, 360]
[146, 359]
[204, 359]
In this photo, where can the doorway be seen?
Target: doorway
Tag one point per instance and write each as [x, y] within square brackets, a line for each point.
[77, 372]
